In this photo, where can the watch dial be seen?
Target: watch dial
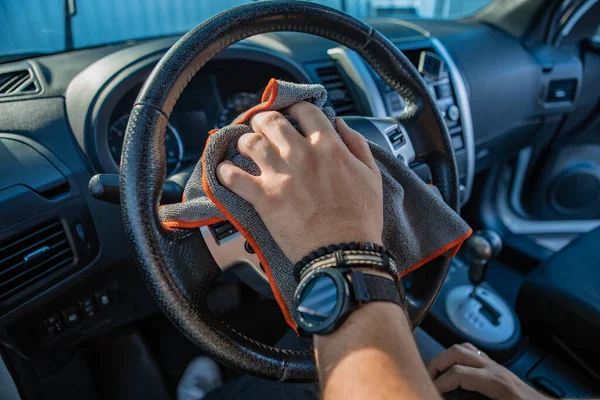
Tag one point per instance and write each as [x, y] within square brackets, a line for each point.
[317, 301]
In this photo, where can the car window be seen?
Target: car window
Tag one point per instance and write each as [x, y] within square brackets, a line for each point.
[49, 26]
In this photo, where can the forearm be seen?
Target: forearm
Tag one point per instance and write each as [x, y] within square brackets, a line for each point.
[373, 355]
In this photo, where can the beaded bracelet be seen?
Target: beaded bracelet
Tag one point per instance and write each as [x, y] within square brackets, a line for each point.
[385, 253]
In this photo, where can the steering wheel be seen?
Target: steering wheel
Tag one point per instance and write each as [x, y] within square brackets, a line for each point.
[177, 265]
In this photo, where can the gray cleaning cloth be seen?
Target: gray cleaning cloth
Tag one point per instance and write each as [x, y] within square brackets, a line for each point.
[418, 225]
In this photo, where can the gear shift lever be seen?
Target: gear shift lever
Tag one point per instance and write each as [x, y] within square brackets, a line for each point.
[477, 311]
[481, 247]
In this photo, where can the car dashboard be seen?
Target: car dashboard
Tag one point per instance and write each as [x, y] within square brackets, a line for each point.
[66, 268]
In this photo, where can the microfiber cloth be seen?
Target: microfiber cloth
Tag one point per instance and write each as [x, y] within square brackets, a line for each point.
[418, 225]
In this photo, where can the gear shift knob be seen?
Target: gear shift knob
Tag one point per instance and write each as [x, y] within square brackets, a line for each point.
[481, 247]
[479, 252]
[495, 241]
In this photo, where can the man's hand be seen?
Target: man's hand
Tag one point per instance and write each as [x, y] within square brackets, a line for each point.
[463, 366]
[315, 189]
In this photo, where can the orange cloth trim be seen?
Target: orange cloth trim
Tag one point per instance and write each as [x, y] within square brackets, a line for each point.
[248, 236]
[454, 245]
[267, 100]
[192, 224]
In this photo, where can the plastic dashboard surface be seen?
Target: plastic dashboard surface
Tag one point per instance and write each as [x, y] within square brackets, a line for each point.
[86, 91]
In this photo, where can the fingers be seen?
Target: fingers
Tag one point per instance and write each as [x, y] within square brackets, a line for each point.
[470, 347]
[240, 182]
[257, 147]
[467, 378]
[277, 129]
[356, 143]
[454, 355]
[313, 123]
[474, 349]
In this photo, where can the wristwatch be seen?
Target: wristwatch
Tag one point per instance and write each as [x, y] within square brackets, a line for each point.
[325, 297]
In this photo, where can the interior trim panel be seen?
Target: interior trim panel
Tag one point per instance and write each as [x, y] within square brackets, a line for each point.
[462, 98]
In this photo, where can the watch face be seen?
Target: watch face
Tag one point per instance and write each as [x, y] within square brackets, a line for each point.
[317, 301]
[321, 299]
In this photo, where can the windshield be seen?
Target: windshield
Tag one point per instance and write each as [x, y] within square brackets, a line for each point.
[31, 27]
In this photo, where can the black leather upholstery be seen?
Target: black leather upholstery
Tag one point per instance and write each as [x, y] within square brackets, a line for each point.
[176, 265]
[562, 297]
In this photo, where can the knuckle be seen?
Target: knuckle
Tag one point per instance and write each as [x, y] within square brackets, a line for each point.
[456, 348]
[267, 118]
[457, 370]
[229, 176]
[303, 107]
[254, 142]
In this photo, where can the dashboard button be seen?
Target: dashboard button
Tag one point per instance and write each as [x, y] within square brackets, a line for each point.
[443, 91]
[71, 316]
[453, 113]
[88, 307]
[457, 142]
[103, 298]
[248, 248]
[52, 326]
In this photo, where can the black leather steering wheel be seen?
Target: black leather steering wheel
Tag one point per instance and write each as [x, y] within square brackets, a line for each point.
[177, 265]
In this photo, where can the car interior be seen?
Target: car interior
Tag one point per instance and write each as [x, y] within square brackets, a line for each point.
[84, 310]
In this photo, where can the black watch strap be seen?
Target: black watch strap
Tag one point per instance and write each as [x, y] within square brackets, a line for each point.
[370, 287]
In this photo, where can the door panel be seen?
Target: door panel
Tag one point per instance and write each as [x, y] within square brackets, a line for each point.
[564, 183]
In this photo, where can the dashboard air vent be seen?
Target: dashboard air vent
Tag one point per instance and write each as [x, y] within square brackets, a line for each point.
[337, 91]
[31, 255]
[17, 82]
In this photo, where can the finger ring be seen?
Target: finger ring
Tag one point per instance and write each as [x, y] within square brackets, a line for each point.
[479, 352]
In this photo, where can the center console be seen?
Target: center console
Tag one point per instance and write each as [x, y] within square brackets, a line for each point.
[469, 309]
[448, 89]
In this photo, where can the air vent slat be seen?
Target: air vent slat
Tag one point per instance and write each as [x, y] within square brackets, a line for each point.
[31, 255]
[11, 83]
[31, 270]
[5, 295]
[18, 81]
[29, 236]
[337, 90]
[28, 249]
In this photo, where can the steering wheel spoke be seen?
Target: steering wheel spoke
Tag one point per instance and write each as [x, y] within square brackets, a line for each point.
[233, 253]
[387, 133]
